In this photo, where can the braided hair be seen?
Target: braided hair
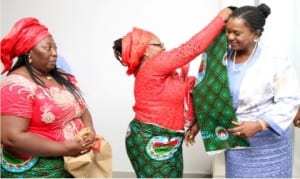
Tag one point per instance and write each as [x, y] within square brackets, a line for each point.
[255, 17]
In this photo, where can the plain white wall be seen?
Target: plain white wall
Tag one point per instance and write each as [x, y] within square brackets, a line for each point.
[84, 31]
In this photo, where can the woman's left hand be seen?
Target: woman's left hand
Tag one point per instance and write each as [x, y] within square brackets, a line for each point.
[245, 128]
[191, 134]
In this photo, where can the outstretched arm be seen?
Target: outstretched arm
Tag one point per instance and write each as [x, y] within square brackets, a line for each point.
[170, 60]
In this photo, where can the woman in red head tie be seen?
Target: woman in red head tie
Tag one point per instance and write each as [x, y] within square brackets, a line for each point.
[41, 106]
[154, 138]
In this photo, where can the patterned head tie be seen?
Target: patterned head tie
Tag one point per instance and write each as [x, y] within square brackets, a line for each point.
[134, 45]
[23, 36]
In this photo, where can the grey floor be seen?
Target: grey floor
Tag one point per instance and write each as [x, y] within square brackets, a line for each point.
[132, 175]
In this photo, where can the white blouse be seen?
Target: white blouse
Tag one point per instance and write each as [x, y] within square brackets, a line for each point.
[268, 89]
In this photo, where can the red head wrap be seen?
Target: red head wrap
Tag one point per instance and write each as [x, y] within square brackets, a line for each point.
[23, 36]
[134, 45]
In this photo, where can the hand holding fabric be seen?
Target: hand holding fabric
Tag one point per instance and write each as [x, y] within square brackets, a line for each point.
[224, 13]
[245, 128]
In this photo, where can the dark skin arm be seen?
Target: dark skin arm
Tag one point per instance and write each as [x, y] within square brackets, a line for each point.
[297, 119]
[15, 136]
[88, 122]
[191, 134]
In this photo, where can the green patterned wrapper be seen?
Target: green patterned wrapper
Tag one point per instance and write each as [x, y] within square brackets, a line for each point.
[154, 152]
[213, 103]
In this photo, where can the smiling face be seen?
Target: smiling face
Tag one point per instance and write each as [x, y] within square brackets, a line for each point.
[44, 54]
[239, 35]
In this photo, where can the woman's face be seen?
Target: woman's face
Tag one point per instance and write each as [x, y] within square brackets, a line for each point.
[44, 55]
[239, 36]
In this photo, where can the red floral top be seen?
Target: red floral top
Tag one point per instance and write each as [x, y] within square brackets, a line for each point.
[159, 90]
[53, 113]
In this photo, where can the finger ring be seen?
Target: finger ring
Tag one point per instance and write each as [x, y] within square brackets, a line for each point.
[238, 133]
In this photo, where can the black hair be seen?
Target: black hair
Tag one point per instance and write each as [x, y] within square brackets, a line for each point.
[117, 47]
[58, 75]
[255, 17]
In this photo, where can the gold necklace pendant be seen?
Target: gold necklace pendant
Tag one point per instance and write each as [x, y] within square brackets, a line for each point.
[41, 74]
[49, 77]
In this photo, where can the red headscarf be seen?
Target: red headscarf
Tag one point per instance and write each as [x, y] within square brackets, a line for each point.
[134, 45]
[23, 36]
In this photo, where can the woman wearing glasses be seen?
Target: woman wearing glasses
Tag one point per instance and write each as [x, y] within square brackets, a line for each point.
[162, 104]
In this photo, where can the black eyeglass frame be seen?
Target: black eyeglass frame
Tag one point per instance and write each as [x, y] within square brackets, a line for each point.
[158, 44]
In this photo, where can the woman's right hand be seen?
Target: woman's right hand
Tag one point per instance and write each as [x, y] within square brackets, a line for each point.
[224, 13]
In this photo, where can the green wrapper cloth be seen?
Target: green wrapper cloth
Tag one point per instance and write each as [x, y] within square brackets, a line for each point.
[212, 100]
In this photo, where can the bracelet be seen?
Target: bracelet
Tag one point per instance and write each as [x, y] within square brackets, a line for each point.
[262, 124]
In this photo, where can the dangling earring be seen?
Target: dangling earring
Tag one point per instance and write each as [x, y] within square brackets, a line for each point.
[29, 58]
[255, 40]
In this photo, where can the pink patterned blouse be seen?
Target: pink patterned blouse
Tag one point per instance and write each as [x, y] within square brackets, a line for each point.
[159, 90]
[53, 113]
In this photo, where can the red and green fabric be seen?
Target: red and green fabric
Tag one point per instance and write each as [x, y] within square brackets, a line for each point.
[33, 167]
[154, 152]
[212, 100]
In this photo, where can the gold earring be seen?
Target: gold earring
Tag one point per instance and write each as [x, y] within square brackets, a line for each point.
[29, 59]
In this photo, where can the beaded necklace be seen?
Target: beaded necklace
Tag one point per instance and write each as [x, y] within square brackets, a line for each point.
[246, 62]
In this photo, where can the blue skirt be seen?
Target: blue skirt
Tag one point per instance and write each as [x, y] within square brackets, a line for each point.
[269, 156]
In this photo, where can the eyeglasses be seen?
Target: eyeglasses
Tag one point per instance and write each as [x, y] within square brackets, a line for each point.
[158, 44]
